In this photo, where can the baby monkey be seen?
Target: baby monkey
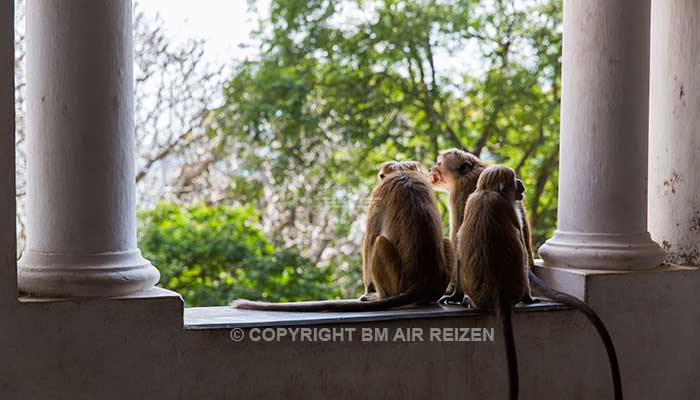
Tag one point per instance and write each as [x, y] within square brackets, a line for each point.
[404, 254]
[492, 264]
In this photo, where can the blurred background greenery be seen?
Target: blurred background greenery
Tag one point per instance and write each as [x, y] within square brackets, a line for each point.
[253, 175]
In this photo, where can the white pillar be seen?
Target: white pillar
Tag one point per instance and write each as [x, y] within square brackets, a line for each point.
[81, 222]
[604, 127]
[674, 179]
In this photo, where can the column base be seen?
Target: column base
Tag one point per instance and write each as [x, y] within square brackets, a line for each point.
[94, 275]
[602, 251]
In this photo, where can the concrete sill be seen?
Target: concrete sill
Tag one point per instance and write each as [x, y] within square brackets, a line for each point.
[154, 293]
[229, 318]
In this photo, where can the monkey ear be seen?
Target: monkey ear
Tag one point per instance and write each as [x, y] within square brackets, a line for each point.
[465, 168]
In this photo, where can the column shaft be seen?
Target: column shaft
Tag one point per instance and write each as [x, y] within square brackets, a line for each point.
[674, 195]
[603, 170]
[81, 222]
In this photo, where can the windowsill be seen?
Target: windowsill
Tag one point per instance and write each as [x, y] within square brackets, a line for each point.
[228, 318]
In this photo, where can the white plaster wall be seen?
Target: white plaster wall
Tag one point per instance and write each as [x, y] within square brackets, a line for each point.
[674, 152]
[122, 350]
[137, 349]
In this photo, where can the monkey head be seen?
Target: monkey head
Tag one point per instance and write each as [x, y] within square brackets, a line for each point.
[452, 166]
[501, 179]
[395, 166]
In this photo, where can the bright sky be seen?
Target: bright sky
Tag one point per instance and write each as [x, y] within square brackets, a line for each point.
[223, 24]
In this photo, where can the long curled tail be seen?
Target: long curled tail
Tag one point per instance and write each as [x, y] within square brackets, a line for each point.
[572, 301]
[505, 312]
[403, 299]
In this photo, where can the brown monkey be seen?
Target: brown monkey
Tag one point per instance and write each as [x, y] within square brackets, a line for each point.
[403, 254]
[455, 172]
[491, 263]
[384, 170]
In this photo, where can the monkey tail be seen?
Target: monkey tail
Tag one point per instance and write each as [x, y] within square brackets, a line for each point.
[505, 312]
[403, 299]
[592, 316]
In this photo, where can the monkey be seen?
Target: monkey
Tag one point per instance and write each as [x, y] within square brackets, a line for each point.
[491, 265]
[384, 170]
[404, 253]
[457, 171]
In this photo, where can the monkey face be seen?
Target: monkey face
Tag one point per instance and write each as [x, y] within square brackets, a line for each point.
[452, 165]
[394, 166]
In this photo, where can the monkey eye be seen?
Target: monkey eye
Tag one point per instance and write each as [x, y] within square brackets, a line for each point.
[381, 176]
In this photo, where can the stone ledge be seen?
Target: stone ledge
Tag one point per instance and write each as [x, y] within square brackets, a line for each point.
[227, 317]
[577, 282]
[154, 293]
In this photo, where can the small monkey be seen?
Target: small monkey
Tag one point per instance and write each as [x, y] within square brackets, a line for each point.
[404, 254]
[491, 264]
[385, 169]
[455, 172]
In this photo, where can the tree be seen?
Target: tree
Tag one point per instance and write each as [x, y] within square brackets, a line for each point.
[212, 255]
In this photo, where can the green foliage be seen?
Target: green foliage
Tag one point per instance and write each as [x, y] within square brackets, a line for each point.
[211, 255]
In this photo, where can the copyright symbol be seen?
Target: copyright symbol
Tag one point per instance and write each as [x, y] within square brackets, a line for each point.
[237, 335]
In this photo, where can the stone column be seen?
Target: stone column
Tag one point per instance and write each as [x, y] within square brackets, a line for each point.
[604, 127]
[81, 221]
[674, 158]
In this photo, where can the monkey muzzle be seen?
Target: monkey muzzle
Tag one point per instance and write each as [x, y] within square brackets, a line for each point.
[434, 176]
